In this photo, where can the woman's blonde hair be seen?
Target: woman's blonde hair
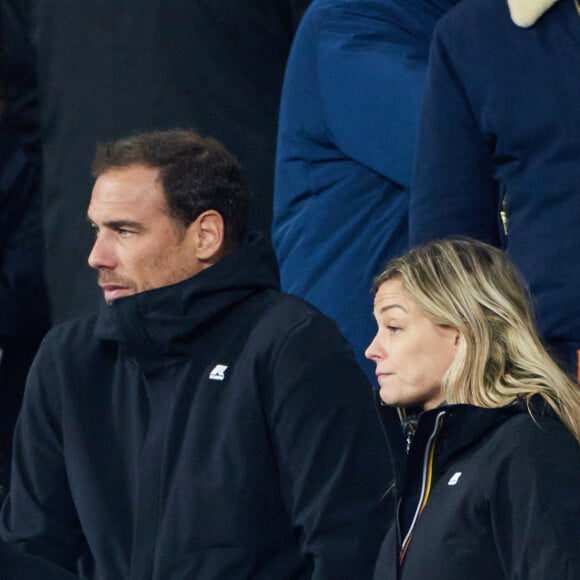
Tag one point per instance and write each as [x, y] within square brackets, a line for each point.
[474, 287]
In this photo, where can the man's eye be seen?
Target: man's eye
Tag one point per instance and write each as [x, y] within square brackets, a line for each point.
[125, 233]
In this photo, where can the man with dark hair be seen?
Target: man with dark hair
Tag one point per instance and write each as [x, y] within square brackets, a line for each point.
[186, 162]
[24, 316]
[203, 424]
[115, 67]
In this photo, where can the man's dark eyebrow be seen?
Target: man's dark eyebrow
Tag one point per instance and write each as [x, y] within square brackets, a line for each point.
[121, 224]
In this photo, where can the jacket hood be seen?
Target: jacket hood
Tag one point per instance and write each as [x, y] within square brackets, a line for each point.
[166, 320]
[525, 13]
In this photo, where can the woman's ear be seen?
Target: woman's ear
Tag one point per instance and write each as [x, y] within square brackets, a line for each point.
[208, 236]
[456, 339]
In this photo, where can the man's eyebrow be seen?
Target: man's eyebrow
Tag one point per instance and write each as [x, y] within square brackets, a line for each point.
[120, 224]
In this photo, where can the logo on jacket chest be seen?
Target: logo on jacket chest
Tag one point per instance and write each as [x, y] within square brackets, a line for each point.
[218, 373]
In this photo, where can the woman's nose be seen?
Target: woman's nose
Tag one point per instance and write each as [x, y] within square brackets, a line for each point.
[372, 351]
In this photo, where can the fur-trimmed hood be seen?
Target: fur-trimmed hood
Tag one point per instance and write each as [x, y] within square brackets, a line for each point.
[525, 13]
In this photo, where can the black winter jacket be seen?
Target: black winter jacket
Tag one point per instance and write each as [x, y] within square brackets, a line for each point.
[213, 429]
[492, 494]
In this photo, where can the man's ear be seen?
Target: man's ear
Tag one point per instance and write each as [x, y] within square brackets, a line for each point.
[208, 236]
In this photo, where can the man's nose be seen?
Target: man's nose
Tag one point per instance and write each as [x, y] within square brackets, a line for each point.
[101, 255]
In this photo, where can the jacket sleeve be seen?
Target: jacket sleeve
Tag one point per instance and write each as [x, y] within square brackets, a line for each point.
[370, 72]
[39, 513]
[335, 466]
[453, 191]
[536, 506]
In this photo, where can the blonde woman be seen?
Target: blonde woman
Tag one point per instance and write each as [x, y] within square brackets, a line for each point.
[491, 488]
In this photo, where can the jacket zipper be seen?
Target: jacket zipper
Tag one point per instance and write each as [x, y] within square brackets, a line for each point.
[503, 214]
[426, 481]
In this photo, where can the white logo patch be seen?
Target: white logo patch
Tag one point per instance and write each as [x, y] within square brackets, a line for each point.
[218, 373]
[454, 478]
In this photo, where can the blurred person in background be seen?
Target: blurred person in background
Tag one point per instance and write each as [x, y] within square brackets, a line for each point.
[499, 149]
[346, 142]
[23, 302]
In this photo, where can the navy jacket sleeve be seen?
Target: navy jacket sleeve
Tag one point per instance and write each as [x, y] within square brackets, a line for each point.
[536, 506]
[47, 524]
[453, 190]
[370, 71]
[334, 463]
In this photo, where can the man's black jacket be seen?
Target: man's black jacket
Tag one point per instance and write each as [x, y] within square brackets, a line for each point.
[214, 429]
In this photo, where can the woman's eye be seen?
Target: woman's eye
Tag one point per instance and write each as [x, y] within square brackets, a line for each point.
[393, 329]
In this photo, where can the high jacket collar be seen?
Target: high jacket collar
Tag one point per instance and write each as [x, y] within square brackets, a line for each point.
[525, 13]
[166, 321]
[464, 425]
